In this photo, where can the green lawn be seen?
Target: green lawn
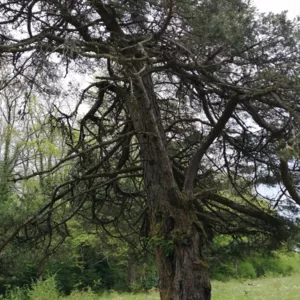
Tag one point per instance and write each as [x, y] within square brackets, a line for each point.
[285, 288]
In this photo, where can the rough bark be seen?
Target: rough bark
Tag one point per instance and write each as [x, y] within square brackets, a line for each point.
[182, 269]
[176, 234]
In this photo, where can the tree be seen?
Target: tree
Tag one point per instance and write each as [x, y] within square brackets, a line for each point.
[187, 90]
[28, 143]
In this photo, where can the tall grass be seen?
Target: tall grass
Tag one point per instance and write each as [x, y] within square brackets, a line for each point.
[48, 290]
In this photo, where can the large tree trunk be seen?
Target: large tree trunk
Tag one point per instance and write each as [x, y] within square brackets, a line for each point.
[182, 270]
[177, 236]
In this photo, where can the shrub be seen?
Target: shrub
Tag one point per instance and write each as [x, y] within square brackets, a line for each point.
[15, 294]
[44, 290]
[222, 271]
[246, 270]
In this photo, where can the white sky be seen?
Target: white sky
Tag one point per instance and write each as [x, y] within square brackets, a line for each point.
[277, 6]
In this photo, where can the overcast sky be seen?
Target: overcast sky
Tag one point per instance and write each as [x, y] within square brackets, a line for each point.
[277, 6]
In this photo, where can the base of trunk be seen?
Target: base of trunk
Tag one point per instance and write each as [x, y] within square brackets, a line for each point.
[189, 282]
[183, 272]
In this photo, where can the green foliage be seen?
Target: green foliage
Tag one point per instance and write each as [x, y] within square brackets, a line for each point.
[220, 23]
[222, 271]
[44, 290]
[246, 270]
[275, 264]
[255, 266]
[48, 290]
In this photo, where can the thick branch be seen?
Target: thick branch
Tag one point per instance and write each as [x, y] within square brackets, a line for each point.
[251, 212]
[288, 181]
[215, 132]
[108, 16]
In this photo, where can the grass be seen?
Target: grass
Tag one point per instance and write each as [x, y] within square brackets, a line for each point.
[285, 288]
[152, 295]
[277, 288]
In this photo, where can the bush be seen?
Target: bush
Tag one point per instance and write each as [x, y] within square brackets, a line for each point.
[222, 271]
[44, 290]
[273, 265]
[256, 266]
[15, 294]
[246, 270]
